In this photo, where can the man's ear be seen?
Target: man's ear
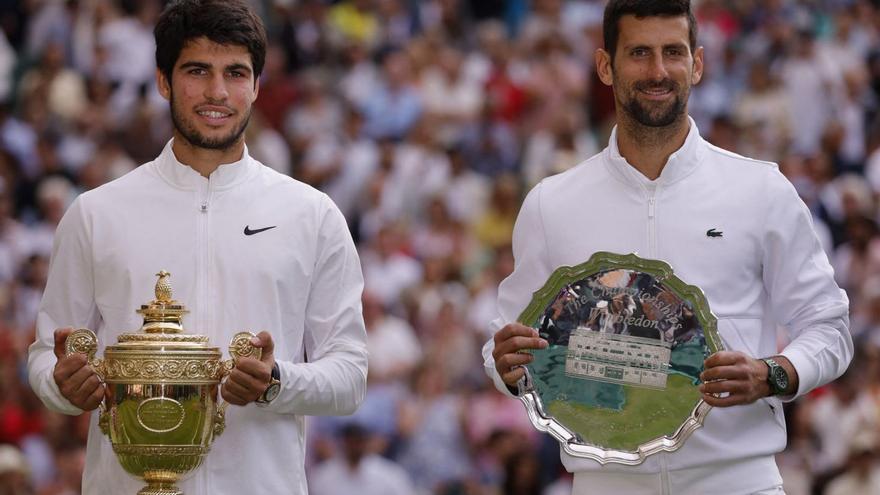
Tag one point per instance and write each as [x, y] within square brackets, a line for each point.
[163, 84]
[603, 67]
[698, 66]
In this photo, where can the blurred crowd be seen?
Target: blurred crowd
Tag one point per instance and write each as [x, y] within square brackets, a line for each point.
[427, 121]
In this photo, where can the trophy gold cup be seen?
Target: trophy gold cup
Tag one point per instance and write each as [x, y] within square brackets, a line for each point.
[161, 410]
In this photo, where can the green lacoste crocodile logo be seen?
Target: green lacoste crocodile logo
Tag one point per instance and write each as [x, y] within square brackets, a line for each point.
[714, 233]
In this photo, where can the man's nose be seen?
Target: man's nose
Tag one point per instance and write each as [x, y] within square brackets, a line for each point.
[216, 88]
[657, 68]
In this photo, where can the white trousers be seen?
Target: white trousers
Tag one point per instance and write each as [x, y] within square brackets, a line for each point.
[757, 476]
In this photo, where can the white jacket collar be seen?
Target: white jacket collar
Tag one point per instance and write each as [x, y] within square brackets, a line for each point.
[185, 177]
[679, 165]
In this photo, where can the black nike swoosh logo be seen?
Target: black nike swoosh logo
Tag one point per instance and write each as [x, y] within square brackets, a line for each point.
[248, 231]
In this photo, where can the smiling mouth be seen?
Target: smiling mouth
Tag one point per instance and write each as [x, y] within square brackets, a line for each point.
[656, 91]
[657, 94]
[214, 114]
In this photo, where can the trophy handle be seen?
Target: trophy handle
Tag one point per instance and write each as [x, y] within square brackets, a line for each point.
[220, 418]
[240, 346]
[103, 419]
[84, 341]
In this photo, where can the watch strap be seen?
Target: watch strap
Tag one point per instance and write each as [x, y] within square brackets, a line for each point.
[777, 377]
[274, 381]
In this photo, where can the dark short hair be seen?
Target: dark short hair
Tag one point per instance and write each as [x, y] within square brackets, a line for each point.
[226, 22]
[641, 9]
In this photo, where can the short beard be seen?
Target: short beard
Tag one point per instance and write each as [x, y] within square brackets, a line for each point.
[645, 117]
[196, 139]
[648, 119]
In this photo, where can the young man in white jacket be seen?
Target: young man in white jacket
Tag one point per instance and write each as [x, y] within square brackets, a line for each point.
[248, 249]
[733, 226]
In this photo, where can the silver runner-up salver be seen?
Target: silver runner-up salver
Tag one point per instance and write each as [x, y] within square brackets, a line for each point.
[627, 340]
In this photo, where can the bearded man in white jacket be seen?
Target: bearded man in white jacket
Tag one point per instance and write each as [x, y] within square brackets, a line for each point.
[248, 249]
[733, 226]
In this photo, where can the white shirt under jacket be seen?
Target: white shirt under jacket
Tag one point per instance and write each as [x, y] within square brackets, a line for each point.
[768, 268]
[300, 281]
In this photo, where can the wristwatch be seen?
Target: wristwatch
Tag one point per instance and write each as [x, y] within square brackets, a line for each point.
[777, 377]
[273, 389]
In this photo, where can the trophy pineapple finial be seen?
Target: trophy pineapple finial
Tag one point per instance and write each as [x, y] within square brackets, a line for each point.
[163, 287]
[163, 314]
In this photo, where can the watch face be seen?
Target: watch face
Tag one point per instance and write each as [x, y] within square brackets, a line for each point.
[781, 378]
[272, 392]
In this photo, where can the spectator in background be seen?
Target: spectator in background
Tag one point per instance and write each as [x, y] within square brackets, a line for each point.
[70, 459]
[393, 346]
[808, 76]
[556, 80]
[466, 192]
[495, 227]
[360, 78]
[434, 451]
[490, 144]
[62, 88]
[842, 422]
[318, 114]
[127, 50]
[394, 106]
[354, 20]
[357, 470]
[278, 89]
[342, 163]
[452, 100]
[13, 472]
[556, 149]
[861, 475]
[763, 112]
[388, 270]
[268, 145]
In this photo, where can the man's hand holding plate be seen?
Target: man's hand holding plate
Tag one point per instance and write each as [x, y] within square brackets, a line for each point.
[509, 342]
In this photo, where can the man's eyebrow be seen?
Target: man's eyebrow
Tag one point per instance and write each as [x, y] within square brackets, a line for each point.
[206, 65]
[242, 67]
[195, 64]
[647, 46]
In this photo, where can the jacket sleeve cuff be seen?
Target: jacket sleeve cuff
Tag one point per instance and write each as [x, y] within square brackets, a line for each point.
[41, 362]
[808, 375]
[57, 401]
[323, 387]
[489, 367]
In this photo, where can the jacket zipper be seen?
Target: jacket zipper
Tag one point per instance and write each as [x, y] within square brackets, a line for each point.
[665, 487]
[652, 227]
[201, 254]
[202, 265]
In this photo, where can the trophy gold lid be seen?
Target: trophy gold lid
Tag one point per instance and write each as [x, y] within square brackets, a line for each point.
[163, 314]
[163, 318]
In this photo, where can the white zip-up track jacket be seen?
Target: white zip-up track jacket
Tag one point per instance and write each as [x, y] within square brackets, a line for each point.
[299, 280]
[766, 268]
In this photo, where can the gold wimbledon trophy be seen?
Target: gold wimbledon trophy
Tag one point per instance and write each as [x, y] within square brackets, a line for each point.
[161, 410]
